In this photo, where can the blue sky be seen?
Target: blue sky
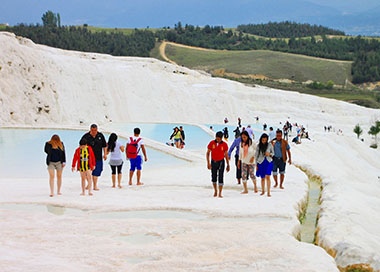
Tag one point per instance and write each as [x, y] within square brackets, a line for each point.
[154, 13]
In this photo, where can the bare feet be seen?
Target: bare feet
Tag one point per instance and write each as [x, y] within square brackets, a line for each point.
[244, 192]
[113, 186]
[82, 194]
[90, 194]
[275, 185]
[51, 195]
[220, 196]
[215, 194]
[96, 189]
[269, 195]
[59, 193]
[140, 183]
[282, 187]
[255, 190]
[262, 193]
[130, 183]
[119, 186]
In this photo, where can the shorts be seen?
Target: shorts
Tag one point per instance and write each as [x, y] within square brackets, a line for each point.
[98, 169]
[264, 169]
[278, 163]
[136, 163]
[55, 166]
[177, 140]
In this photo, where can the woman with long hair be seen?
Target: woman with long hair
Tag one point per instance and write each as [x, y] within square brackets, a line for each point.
[263, 155]
[116, 160]
[56, 161]
[247, 161]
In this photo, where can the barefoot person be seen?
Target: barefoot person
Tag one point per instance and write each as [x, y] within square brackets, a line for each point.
[219, 156]
[236, 145]
[281, 155]
[247, 161]
[98, 143]
[263, 155]
[115, 148]
[84, 162]
[135, 146]
[56, 161]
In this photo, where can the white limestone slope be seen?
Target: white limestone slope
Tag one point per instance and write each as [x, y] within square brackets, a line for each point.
[47, 87]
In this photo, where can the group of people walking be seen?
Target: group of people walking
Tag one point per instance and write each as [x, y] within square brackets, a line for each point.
[266, 158]
[89, 156]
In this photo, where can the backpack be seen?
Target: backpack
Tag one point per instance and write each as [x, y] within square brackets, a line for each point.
[132, 150]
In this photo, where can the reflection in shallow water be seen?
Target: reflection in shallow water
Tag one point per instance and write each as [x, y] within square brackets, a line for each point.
[57, 210]
[309, 223]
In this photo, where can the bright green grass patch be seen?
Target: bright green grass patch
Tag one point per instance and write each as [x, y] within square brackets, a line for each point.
[275, 65]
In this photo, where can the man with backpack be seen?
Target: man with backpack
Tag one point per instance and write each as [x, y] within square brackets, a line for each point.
[135, 146]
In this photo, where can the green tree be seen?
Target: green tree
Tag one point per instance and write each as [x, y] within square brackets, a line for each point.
[358, 130]
[330, 85]
[374, 130]
[50, 19]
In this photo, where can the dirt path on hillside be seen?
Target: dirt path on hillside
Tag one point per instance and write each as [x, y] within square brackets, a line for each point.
[165, 57]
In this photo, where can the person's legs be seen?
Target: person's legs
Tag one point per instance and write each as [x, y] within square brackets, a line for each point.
[282, 177]
[238, 170]
[83, 182]
[131, 170]
[267, 178]
[59, 181]
[119, 175]
[113, 178]
[138, 174]
[88, 177]
[214, 176]
[282, 173]
[96, 174]
[251, 172]
[177, 143]
[221, 177]
[220, 191]
[51, 180]
[215, 189]
[130, 176]
[113, 175]
[244, 175]
[262, 186]
[139, 168]
[274, 171]
[95, 182]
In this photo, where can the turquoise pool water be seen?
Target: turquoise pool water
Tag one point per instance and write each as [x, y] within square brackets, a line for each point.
[22, 150]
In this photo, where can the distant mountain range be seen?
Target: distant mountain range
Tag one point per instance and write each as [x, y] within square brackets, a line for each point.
[227, 13]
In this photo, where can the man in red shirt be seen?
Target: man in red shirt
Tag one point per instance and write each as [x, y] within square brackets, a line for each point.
[219, 155]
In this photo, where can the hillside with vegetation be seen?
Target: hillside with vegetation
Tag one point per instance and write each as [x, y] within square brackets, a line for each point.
[347, 59]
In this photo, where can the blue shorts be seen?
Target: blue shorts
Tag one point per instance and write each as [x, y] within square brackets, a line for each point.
[136, 163]
[98, 169]
[278, 164]
[264, 169]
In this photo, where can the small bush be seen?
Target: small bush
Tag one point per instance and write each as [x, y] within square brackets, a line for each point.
[374, 146]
